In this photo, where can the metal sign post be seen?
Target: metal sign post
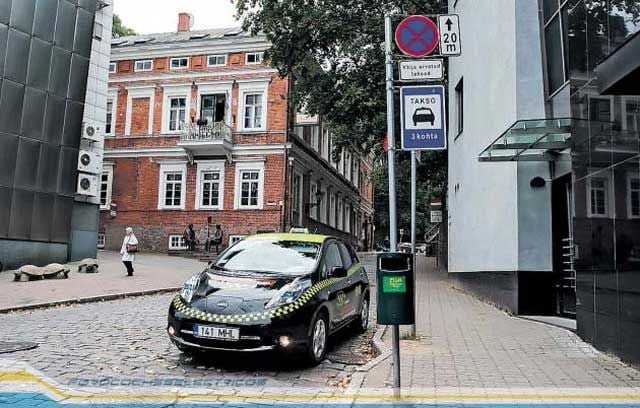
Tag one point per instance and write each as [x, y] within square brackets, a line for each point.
[414, 165]
[388, 35]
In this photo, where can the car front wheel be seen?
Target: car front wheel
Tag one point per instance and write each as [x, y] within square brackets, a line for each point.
[318, 339]
[362, 322]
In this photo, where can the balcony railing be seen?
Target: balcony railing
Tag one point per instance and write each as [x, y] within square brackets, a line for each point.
[218, 131]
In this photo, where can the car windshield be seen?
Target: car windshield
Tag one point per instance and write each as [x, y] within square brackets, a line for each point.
[270, 256]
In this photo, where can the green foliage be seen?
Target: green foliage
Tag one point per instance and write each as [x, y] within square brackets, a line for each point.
[119, 30]
[334, 49]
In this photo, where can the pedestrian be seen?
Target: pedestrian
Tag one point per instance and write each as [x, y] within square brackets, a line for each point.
[190, 237]
[218, 234]
[129, 248]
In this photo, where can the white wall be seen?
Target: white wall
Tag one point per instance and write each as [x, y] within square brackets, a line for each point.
[502, 69]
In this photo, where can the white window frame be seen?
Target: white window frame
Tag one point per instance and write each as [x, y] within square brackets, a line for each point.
[347, 218]
[111, 122]
[172, 167]
[107, 168]
[112, 95]
[102, 241]
[242, 167]
[170, 92]
[216, 88]
[324, 205]
[259, 56]
[630, 178]
[113, 68]
[140, 92]
[325, 144]
[626, 99]
[142, 62]
[250, 88]
[608, 195]
[299, 204]
[182, 246]
[332, 209]
[209, 166]
[313, 204]
[210, 65]
[235, 238]
[179, 68]
[340, 214]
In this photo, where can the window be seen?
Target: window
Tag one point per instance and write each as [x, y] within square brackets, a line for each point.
[113, 67]
[296, 199]
[253, 111]
[233, 239]
[631, 114]
[249, 185]
[555, 38]
[347, 259]
[253, 58]
[460, 107]
[332, 259]
[177, 243]
[347, 218]
[600, 109]
[180, 63]
[177, 113]
[598, 197]
[210, 185]
[323, 206]
[325, 144]
[332, 210]
[106, 181]
[340, 215]
[102, 241]
[108, 127]
[633, 201]
[314, 206]
[172, 186]
[216, 60]
[98, 30]
[212, 108]
[143, 65]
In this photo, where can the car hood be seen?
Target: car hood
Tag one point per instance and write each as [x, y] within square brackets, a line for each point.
[228, 295]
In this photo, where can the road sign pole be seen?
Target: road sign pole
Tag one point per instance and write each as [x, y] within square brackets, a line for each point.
[414, 166]
[391, 152]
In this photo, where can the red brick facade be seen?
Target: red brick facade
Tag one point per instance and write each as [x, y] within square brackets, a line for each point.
[267, 160]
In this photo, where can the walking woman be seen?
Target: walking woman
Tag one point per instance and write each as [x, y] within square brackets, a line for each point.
[129, 248]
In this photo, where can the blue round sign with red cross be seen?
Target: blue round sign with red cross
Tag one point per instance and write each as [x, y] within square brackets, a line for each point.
[417, 36]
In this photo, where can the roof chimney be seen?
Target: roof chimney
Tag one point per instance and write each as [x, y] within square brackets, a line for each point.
[185, 22]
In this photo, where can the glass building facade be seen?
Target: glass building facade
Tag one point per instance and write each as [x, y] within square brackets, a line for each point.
[580, 35]
[45, 48]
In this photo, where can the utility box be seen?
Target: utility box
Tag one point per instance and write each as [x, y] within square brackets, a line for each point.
[394, 273]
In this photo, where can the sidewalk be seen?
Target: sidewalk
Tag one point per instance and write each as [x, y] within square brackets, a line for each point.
[152, 272]
[465, 343]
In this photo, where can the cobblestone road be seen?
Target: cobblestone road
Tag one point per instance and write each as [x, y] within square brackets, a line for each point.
[127, 339]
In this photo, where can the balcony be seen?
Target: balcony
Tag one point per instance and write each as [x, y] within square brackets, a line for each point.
[207, 140]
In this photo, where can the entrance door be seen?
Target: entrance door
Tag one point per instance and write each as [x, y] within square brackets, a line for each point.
[563, 246]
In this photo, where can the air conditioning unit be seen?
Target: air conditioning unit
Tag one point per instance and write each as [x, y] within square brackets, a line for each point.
[87, 185]
[89, 162]
[91, 131]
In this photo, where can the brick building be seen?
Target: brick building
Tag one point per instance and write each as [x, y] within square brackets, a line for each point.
[199, 131]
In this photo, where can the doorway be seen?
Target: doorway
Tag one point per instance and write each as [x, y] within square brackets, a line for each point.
[212, 108]
[563, 245]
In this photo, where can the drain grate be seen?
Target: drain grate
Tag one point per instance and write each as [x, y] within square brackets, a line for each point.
[14, 346]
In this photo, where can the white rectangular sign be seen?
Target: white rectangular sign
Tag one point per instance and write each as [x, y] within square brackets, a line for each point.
[436, 217]
[421, 70]
[449, 27]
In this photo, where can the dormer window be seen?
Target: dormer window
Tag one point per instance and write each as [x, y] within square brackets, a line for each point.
[254, 58]
[180, 63]
[144, 65]
[216, 60]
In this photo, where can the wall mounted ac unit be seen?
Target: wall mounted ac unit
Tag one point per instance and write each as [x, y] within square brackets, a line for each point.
[89, 162]
[92, 131]
[87, 185]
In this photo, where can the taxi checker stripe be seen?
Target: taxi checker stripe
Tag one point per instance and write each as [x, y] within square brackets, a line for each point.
[243, 318]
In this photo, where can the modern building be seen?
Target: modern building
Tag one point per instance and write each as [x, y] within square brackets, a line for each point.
[201, 131]
[53, 72]
[544, 168]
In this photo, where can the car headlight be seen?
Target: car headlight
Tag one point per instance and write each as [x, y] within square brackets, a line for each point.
[289, 293]
[189, 288]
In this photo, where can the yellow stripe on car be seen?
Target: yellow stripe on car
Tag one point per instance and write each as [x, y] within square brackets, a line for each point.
[182, 307]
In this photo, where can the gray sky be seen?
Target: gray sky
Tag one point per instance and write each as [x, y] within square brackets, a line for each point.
[153, 16]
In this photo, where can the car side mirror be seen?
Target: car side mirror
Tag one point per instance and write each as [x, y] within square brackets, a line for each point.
[338, 272]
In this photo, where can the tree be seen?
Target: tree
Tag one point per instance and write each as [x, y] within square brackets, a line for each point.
[119, 30]
[334, 50]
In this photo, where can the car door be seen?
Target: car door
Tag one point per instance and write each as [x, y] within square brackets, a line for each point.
[350, 303]
[336, 293]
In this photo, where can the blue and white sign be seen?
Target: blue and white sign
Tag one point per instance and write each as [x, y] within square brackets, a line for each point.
[423, 123]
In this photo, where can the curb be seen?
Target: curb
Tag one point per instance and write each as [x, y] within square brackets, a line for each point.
[380, 347]
[91, 299]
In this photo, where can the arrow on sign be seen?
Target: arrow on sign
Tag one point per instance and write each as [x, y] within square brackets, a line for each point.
[449, 23]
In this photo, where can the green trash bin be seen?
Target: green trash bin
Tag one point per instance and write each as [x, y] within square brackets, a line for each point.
[395, 289]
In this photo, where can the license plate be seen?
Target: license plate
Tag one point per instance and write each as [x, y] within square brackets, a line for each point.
[218, 333]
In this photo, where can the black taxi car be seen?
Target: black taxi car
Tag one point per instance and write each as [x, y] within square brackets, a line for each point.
[285, 292]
